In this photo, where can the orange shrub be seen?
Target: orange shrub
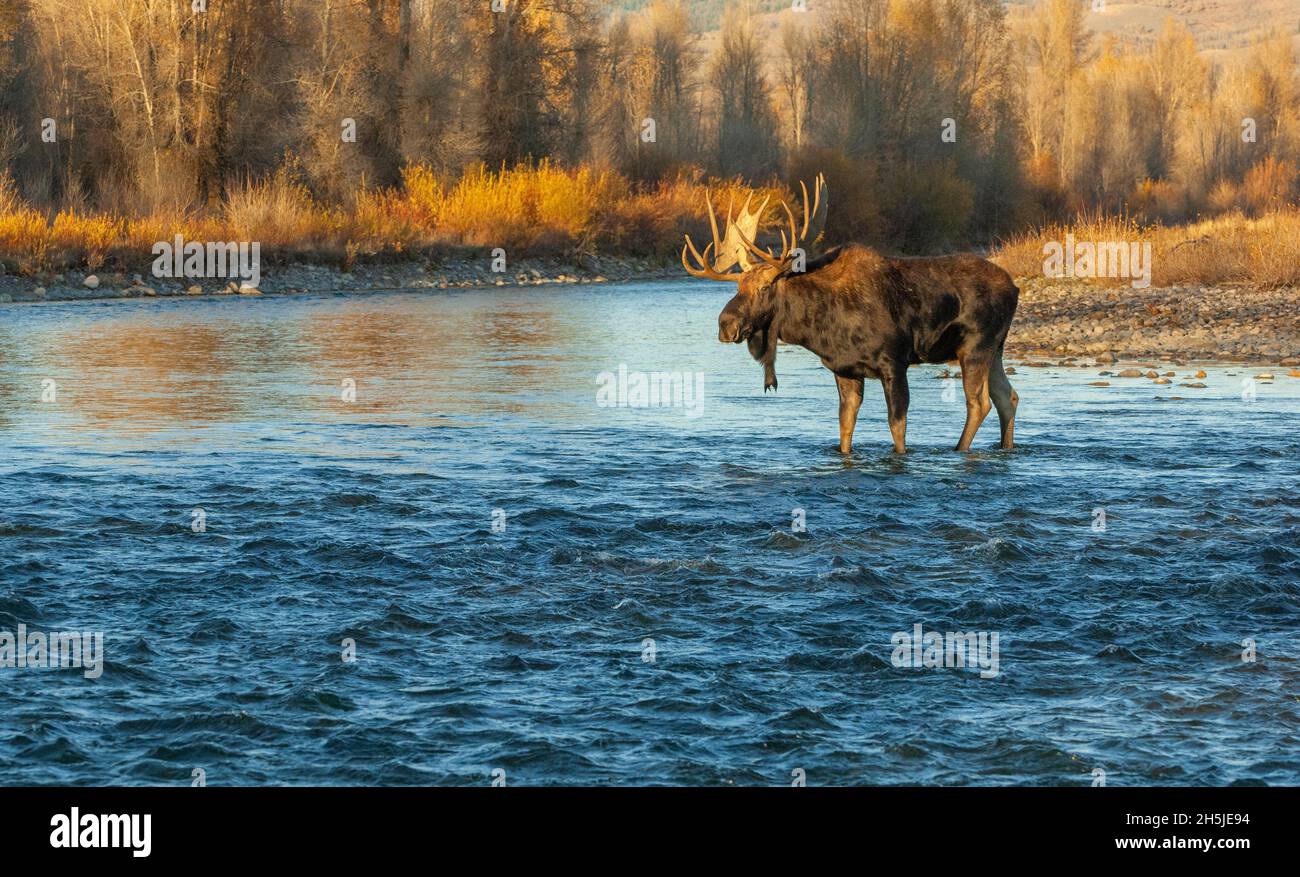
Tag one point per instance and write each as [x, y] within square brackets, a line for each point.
[25, 240]
[546, 209]
[1268, 185]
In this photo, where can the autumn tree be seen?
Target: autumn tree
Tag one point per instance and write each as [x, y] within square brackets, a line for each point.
[650, 114]
[1056, 48]
[747, 141]
[796, 68]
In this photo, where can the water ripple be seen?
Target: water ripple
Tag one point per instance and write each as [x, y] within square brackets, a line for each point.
[478, 569]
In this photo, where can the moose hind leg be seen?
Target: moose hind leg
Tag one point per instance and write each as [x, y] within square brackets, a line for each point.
[850, 401]
[975, 383]
[896, 399]
[1005, 399]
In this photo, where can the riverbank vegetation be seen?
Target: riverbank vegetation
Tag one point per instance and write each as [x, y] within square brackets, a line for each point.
[339, 130]
[1232, 248]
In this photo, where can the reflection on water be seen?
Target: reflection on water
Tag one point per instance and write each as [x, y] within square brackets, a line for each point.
[161, 366]
[145, 374]
[520, 646]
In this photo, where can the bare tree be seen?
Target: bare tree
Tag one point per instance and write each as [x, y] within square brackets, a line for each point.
[796, 69]
[747, 137]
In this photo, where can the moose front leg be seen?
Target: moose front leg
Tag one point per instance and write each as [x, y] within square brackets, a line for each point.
[850, 401]
[894, 382]
[975, 383]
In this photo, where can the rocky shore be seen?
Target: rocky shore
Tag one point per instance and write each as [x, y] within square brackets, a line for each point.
[451, 273]
[1058, 323]
[1075, 323]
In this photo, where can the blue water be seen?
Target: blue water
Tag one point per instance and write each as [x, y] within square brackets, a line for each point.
[647, 614]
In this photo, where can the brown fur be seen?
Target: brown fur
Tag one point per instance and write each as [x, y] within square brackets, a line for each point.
[871, 316]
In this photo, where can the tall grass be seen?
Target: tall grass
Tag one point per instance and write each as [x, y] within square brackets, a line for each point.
[1231, 248]
[541, 208]
[537, 210]
[549, 210]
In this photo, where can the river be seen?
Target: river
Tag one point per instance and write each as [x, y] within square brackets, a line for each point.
[415, 538]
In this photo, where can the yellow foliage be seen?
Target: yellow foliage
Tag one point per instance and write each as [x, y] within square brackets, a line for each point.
[546, 209]
[530, 209]
[83, 239]
[277, 212]
[25, 239]
[526, 207]
[1231, 248]
[423, 194]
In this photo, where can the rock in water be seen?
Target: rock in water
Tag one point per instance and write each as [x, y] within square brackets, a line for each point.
[1130, 373]
[91, 282]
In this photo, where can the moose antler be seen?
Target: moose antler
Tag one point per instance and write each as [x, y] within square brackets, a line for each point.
[705, 270]
[814, 220]
[729, 250]
[738, 246]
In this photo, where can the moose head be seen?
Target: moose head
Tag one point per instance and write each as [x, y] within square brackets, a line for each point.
[749, 315]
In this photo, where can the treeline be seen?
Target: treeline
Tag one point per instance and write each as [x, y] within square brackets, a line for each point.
[937, 122]
[1160, 132]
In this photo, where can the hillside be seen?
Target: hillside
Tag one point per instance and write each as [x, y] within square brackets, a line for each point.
[1220, 26]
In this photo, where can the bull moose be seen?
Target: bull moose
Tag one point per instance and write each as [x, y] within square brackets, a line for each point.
[865, 315]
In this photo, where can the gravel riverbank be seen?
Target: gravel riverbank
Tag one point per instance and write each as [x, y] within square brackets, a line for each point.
[1066, 322]
[452, 273]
